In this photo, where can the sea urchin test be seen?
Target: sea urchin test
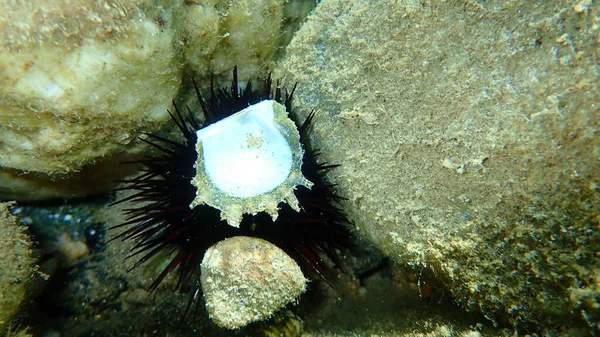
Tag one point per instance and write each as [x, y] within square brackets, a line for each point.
[249, 163]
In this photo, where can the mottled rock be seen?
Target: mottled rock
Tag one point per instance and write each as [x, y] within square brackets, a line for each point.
[468, 134]
[80, 80]
[219, 35]
[247, 279]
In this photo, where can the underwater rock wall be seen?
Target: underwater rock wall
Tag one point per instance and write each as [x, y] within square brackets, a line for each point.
[468, 135]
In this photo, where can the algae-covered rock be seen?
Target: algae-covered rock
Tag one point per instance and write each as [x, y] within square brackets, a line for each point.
[468, 135]
[247, 279]
[79, 79]
[17, 264]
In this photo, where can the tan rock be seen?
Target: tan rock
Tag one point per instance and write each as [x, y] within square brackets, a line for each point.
[79, 80]
[468, 138]
[247, 279]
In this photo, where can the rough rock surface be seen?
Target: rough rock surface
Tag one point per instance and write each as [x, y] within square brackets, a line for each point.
[219, 34]
[16, 263]
[468, 134]
[247, 279]
[79, 79]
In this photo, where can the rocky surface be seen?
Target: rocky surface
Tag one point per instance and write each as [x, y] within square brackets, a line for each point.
[468, 138]
[17, 264]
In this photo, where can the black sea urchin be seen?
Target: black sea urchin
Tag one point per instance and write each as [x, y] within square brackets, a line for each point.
[161, 217]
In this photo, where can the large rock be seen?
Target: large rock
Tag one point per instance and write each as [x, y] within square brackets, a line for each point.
[79, 79]
[468, 135]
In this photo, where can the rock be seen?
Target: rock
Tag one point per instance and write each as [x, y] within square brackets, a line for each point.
[469, 140]
[247, 279]
[79, 81]
[16, 262]
[220, 34]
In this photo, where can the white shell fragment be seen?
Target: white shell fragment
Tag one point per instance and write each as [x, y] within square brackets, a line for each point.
[246, 279]
[249, 163]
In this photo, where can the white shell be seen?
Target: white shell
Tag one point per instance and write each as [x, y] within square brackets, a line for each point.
[249, 162]
[245, 155]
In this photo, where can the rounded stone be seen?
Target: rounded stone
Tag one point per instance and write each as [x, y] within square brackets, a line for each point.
[79, 80]
[247, 279]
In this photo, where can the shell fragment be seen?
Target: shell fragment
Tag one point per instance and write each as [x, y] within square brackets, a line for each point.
[249, 162]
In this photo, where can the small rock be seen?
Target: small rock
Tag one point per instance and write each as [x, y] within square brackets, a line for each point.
[248, 279]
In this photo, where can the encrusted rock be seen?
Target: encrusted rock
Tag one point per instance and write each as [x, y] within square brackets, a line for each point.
[16, 263]
[469, 143]
[247, 279]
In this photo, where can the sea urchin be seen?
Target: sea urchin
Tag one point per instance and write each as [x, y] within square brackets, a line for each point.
[196, 193]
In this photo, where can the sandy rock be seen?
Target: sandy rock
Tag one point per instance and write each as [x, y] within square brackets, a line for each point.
[247, 279]
[16, 262]
[469, 140]
[222, 34]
